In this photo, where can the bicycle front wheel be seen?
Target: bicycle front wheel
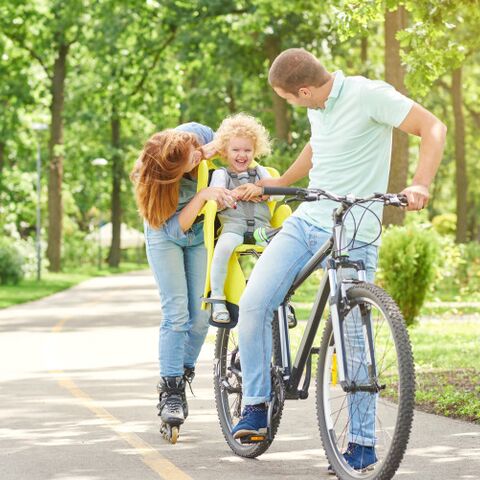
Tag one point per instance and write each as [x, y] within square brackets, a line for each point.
[379, 415]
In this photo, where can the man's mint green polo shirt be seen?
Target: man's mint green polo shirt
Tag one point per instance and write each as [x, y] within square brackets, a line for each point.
[351, 140]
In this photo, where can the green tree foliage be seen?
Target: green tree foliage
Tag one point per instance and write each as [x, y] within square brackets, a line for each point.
[135, 67]
[11, 263]
[15, 95]
[47, 31]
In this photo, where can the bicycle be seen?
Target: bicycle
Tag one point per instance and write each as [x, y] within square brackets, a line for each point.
[385, 377]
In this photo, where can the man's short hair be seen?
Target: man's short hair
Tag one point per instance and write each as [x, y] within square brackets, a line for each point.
[296, 68]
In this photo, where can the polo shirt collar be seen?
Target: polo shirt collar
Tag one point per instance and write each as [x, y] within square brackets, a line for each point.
[337, 84]
[338, 80]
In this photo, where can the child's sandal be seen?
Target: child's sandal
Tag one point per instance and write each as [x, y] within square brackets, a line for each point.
[222, 316]
[219, 311]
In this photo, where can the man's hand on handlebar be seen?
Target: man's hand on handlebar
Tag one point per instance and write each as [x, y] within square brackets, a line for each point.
[417, 196]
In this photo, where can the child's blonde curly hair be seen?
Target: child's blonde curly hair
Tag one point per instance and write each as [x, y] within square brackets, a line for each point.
[243, 125]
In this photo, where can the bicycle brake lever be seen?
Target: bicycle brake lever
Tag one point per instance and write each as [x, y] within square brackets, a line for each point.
[397, 200]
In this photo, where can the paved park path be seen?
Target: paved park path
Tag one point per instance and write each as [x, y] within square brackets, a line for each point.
[77, 402]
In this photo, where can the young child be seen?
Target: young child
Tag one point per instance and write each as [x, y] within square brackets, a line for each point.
[239, 140]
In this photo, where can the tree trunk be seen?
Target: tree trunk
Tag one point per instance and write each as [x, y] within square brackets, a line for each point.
[395, 74]
[273, 48]
[55, 208]
[460, 163]
[472, 227]
[117, 177]
[364, 55]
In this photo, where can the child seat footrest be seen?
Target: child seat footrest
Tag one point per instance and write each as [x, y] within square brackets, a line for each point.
[212, 300]
[232, 310]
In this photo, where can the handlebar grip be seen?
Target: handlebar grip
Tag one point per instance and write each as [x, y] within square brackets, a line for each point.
[281, 191]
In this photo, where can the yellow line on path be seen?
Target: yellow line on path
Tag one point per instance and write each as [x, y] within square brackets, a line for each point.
[150, 456]
[58, 327]
[160, 465]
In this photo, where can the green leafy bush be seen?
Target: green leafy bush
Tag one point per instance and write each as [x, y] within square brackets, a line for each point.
[134, 255]
[458, 273]
[18, 202]
[445, 224]
[11, 263]
[408, 259]
[447, 281]
[28, 251]
[469, 268]
[78, 250]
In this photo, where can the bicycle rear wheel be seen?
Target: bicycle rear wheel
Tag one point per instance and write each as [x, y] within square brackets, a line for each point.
[382, 418]
[228, 390]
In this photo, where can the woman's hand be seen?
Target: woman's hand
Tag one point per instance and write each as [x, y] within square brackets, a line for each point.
[223, 196]
[208, 150]
[249, 192]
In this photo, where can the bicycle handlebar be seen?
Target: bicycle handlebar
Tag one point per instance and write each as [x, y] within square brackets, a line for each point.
[282, 190]
[314, 194]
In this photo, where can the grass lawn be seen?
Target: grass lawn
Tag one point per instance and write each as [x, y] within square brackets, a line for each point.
[447, 358]
[29, 289]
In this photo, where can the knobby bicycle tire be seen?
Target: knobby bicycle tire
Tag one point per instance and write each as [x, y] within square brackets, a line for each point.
[223, 356]
[397, 397]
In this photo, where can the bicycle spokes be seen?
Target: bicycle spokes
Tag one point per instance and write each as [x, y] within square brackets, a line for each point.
[362, 417]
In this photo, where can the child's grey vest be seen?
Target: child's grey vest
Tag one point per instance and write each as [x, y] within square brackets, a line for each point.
[248, 216]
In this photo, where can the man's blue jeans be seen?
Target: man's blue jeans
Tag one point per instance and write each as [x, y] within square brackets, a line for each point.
[269, 282]
[179, 267]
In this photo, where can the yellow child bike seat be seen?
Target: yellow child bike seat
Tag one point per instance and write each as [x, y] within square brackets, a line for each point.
[235, 281]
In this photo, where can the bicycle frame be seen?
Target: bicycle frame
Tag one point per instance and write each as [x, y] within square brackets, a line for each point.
[332, 291]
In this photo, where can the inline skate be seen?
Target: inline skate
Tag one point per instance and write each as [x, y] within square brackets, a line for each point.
[171, 391]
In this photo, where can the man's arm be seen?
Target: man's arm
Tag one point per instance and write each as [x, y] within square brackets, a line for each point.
[432, 131]
[298, 170]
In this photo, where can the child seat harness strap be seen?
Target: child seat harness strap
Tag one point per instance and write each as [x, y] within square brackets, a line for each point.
[247, 208]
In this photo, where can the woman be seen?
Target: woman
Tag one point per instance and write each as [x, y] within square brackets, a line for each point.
[166, 193]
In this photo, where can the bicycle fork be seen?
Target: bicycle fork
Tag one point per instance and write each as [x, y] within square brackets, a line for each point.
[338, 305]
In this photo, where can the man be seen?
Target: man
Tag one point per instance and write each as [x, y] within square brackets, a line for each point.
[351, 120]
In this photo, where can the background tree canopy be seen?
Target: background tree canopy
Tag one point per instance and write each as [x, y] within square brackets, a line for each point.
[105, 75]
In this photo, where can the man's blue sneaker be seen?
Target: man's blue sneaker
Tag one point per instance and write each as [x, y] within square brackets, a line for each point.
[253, 421]
[359, 457]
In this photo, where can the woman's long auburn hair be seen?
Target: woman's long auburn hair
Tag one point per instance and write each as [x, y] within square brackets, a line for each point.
[157, 174]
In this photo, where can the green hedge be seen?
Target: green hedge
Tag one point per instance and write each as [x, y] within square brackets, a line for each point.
[408, 259]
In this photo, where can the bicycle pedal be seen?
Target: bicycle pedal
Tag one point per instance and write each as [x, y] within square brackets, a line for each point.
[254, 438]
[367, 469]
